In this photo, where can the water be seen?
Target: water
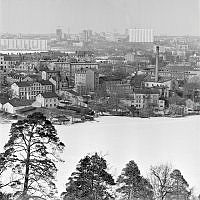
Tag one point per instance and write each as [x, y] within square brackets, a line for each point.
[17, 52]
[146, 141]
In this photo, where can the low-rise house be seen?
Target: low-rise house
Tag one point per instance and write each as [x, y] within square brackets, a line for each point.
[60, 84]
[48, 99]
[32, 77]
[130, 57]
[123, 89]
[108, 82]
[3, 100]
[46, 75]
[15, 104]
[144, 97]
[161, 104]
[54, 82]
[29, 90]
[14, 77]
[178, 71]
[73, 97]
[26, 66]
[6, 62]
[176, 110]
[3, 78]
[116, 60]
[59, 66]
[82, 65]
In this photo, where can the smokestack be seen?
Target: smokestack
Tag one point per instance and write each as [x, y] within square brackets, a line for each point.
[157, 63]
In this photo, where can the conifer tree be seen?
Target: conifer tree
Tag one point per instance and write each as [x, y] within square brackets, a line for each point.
[31, 153]
[180, 187]
[90, 181]
[132, 185]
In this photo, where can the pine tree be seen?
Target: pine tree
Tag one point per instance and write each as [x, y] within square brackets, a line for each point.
[132, 185]
[31, 153]
[180, 187]
[91, 180]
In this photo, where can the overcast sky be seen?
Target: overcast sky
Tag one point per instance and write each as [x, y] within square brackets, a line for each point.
[172, 17]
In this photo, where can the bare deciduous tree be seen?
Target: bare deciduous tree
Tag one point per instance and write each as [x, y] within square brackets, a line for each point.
[161, 181]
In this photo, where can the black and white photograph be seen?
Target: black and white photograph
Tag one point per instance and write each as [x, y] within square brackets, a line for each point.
[99, 99]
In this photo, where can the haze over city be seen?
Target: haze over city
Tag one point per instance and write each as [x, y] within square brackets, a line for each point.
[177, 17]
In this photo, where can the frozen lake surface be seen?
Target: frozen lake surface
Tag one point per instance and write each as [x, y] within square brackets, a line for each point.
[146, 141]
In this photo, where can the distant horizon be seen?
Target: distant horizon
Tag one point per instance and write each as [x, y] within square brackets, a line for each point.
[51, 33]
[171, 18]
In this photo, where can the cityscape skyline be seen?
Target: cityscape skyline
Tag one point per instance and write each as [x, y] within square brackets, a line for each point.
[180, 17]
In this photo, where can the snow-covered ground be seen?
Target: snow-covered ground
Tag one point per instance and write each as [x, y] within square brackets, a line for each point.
[146, 141]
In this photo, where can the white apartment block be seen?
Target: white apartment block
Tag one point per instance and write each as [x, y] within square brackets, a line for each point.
[23, 44]
[139, 35]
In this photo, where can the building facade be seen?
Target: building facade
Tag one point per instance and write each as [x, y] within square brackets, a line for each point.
[29, 90]
[6, 62]
[87, 78]
[138, 35]
[48, 99]
[23, 44]
[142, 97]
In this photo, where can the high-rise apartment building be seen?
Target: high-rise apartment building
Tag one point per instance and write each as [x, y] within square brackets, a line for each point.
[139, 35]
[23, 44]
[59, 34]
[87, 35]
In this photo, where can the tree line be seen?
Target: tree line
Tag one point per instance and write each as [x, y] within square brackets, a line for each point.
[28, 166]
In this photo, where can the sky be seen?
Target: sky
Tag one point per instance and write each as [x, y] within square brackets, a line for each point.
[171, 17]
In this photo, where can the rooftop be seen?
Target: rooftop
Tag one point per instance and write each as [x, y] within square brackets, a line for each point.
[110, 78]
[146, 91]
[20, 102]
[3, 100]
[73, 92]
[30, 83]
[49, 95]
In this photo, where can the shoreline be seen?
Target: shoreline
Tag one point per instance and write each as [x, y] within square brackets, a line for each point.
[10, 121]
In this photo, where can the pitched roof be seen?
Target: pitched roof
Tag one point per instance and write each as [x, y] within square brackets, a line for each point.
[177, 68]
[26, 109]
[20, 102]
[24, 83]
[30, 83]
[110, 78]
[73, 92]
[35, 76]
[146, 91]
[49, 95]
[52, 71]
[44, 82]
[3, 100]
[138, 79]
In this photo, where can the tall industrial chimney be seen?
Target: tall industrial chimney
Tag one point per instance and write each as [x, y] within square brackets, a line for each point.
[157, 63]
